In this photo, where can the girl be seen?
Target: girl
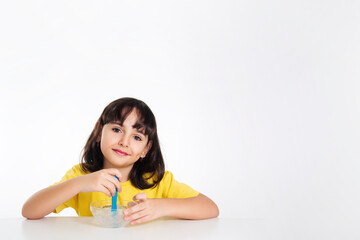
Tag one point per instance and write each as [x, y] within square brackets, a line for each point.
[124, 143]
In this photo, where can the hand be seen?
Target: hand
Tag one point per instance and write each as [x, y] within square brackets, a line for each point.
[101, 181]
[146, 210]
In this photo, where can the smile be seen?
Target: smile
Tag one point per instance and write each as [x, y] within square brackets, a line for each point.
[121, 153]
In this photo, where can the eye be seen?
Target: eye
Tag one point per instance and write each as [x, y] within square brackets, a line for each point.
[137, 138]
[117, 130]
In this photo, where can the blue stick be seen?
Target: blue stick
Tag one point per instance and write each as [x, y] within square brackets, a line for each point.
[114, 200]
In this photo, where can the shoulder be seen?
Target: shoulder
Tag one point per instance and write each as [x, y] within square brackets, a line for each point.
[75, 171]
[151, 178]
[167, 179]
[168, 176]
[175, 189]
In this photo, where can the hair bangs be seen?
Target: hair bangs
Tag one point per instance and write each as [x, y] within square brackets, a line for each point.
[144, 123]
[119, 113]
[143, 128]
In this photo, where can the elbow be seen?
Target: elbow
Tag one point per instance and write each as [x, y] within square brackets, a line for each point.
[24, 212]
[212, 209]
[215, 211]
[27, 213]
[30, 217]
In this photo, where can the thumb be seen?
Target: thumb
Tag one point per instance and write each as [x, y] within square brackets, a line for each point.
[140, 197]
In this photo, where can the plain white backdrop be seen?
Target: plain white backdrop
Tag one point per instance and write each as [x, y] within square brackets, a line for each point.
[257, 102]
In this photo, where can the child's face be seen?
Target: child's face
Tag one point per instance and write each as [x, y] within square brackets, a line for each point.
[123, 145]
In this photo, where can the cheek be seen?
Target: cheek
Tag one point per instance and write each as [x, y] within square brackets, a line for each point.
[102, 146]
[144, 151]
[139, 148]
[105, 142]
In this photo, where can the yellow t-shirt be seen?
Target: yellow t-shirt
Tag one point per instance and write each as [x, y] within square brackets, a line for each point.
[167, 188]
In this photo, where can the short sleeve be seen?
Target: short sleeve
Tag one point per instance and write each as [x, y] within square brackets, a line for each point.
[175, 189]
[72, 202]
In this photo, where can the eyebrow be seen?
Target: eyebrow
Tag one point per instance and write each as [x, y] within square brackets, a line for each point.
[138, 130]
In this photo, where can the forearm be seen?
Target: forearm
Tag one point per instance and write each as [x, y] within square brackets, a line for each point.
[200, 207]
[46, 200]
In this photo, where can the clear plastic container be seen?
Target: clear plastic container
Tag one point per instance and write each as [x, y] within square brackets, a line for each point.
[103, 214]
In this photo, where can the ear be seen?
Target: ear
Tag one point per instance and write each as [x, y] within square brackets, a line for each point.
[146, 150]
[96, 130]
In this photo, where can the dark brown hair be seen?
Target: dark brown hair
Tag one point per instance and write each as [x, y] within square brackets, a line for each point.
[152, 166]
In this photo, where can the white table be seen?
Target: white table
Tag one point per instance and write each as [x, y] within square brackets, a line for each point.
[52, 228]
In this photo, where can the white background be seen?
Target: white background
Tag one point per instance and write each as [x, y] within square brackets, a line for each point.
[257, 102]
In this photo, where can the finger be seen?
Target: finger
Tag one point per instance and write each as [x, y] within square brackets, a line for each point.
[113, 181]
[110, 187]
[140, 197]
[116, 178]
[131, 204]
[105, 190]
[141, 220]
[114, 172]
[135, 215]
[134, 209]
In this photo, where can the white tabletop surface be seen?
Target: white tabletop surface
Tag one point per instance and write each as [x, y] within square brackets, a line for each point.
[52, 228]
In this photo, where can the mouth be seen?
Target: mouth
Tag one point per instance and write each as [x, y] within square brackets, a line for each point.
[119, 152]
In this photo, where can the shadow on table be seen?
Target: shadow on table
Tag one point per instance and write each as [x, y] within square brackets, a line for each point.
[176, 228]
[54, 227]
[90, 221]
[60, 227]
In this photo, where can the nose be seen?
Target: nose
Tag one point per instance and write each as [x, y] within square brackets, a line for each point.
[124, 140]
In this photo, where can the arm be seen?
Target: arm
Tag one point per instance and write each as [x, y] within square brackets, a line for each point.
[200, 207]
[47, 200]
